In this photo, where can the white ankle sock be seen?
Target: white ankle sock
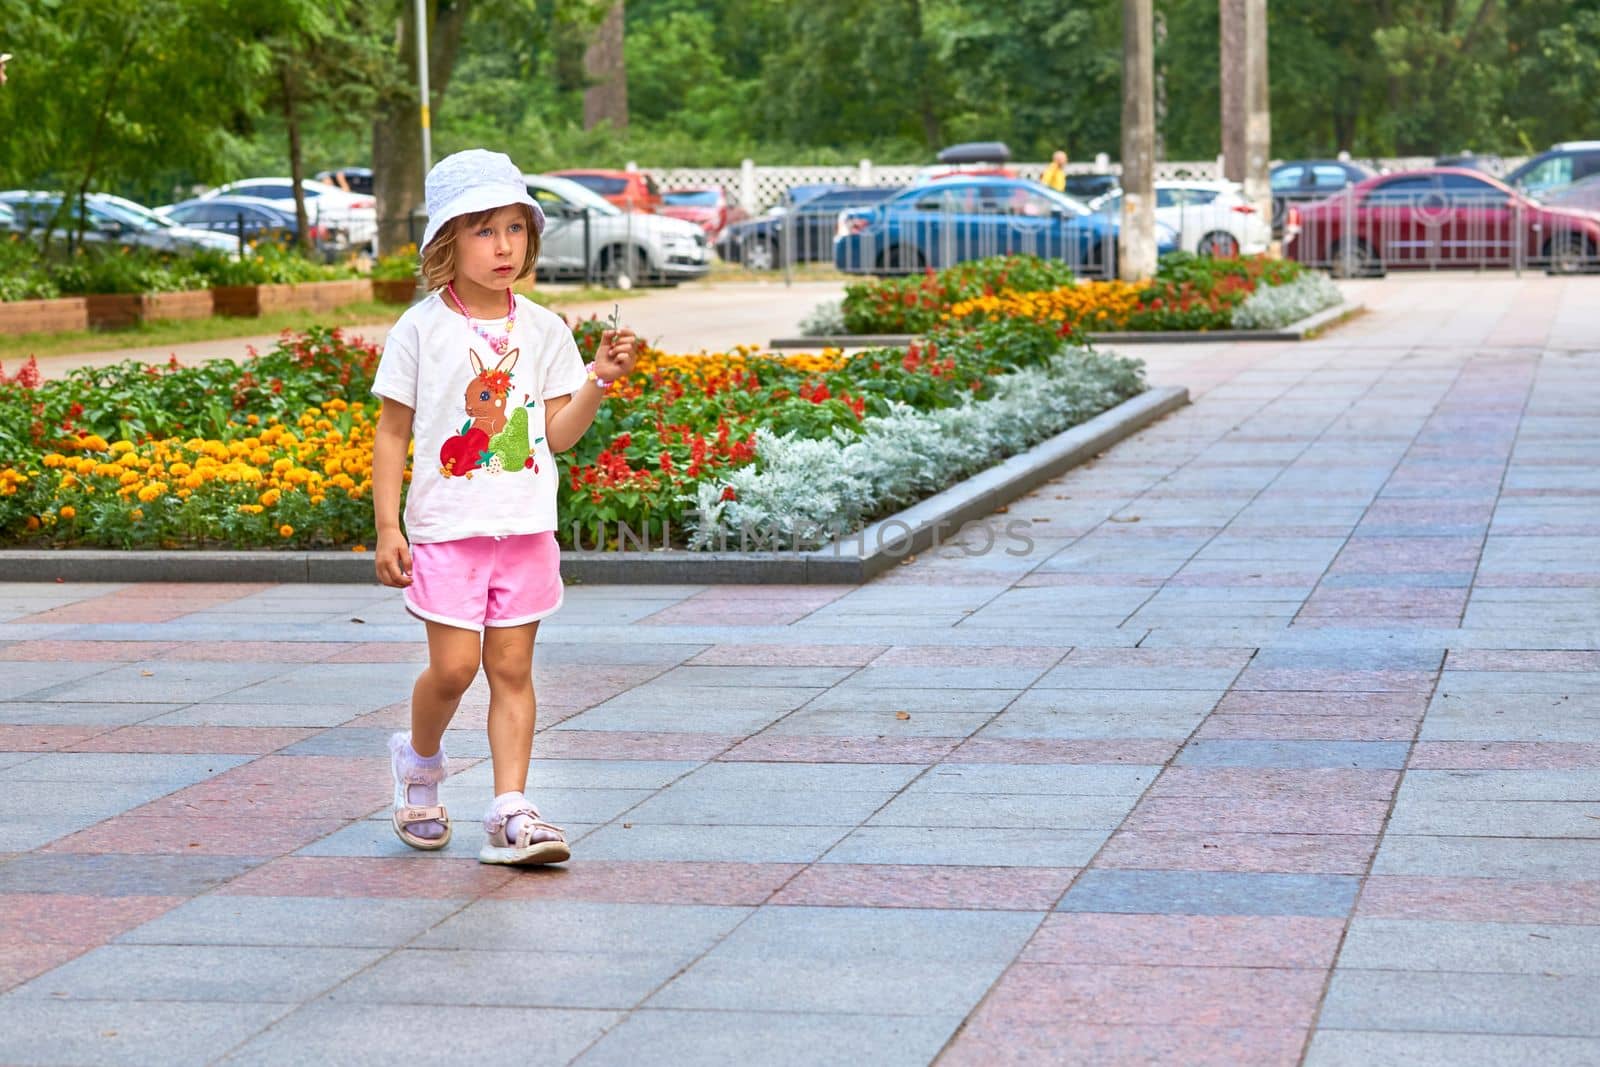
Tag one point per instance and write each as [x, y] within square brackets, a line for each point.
[422, 776]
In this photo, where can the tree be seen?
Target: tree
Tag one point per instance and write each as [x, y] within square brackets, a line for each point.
[605, 65]
[93, 103]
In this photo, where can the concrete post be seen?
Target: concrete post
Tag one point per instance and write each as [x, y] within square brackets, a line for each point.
[747, 186]
[1136, 257]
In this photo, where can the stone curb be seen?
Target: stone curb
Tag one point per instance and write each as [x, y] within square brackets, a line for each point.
[850, 561]
[1304, 330]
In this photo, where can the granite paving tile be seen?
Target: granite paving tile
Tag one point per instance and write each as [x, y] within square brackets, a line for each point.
[1273, 941]
[773, 1039]
[1358, 1048]
[1211, 893]
[1555, 1005]
[1478, 899]
[128, 1033]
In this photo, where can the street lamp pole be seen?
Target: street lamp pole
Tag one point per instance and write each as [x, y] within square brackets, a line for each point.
[422, 85]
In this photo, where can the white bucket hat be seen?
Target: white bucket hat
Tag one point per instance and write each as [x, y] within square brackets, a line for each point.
[472, 181]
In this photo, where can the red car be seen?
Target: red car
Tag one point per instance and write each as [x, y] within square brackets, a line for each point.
[1435, 218]
[708, 208]
[631, 190]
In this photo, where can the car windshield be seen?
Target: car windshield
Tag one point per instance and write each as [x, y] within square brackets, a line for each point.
[126, 211]
[600, 183]
[574, 193]
[690, 198]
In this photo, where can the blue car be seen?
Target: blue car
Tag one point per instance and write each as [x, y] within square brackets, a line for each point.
[959, 219]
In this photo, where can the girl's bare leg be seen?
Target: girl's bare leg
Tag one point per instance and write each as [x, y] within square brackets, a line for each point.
[508, 662]
[453, 655]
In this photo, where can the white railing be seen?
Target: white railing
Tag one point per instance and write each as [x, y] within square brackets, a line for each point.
[757, 188]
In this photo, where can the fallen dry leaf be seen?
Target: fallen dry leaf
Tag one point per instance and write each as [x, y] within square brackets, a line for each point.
[902, 715]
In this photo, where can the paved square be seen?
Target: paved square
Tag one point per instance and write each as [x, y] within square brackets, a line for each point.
[1282, 747]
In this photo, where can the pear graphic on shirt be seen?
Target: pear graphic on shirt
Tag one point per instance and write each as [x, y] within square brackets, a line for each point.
[511, 444]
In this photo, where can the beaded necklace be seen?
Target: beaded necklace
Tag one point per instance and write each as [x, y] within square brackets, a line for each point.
[499, 344]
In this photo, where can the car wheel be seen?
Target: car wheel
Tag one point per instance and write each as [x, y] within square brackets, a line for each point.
[1362, 264]
[1218, 245]
[1568, 253]
[757, 254]
[621, 268]
[897, 259]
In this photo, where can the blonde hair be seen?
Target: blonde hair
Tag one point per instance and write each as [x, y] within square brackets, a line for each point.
[439, 257]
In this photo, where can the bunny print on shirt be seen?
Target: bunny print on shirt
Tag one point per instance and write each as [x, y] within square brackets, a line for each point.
[493, 440]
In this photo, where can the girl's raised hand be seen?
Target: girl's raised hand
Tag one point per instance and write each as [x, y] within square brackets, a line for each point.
[617, 354]
[393, 560]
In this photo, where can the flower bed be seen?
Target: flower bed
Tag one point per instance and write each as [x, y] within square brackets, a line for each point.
[278, 450]
[1188, 293]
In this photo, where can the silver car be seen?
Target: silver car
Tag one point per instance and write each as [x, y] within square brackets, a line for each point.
[115, 221]
[586, 237]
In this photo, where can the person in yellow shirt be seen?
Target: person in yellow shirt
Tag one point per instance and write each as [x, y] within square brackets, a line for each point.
[1055, 175]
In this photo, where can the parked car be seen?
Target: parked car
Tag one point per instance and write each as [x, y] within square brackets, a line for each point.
[1582, 195]
[1304, 181]
[801, 234]
[252, 217]
[1489, 164]
[622, 248]
[631, 190]
[1563, 164]
[1086, 187]
[955, 220]
[350, 179]
[1211, 218]
[112, 220]
[709, 208]
[8, 218]
[1440, 217]
[326, 205]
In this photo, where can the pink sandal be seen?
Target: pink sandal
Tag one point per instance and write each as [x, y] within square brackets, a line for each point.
[536, 842]
[409, 769]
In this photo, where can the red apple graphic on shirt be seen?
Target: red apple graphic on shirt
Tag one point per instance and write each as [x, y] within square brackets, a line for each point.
[460, 453]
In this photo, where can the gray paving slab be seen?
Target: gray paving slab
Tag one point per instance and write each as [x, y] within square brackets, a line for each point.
[1496, 818]
[22, 680]
[1083, 779]
[773, 1039]
[1491, 948]
[381, 1034]
[240, 974]
[711, 843]
[1555, 1005]
[126, 1033]
[155, 681]
[953, 847]
[985, 811]
[583, 926]
[1554, 859]
[116, 875]
[832, 987]
[98, 769]
[541, 979]
[1362, 1048]
[1529, 784]
[686, 806]
[292, 921]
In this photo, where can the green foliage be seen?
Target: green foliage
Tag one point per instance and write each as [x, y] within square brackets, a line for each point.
[21, 275]
[98, 269]
[267, 265]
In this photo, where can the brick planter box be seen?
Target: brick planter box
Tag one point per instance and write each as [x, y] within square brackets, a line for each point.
[253, 301]
[126, 309]
[394, 291]
[44, 316]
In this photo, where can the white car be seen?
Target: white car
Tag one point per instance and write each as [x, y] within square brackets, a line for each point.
[326, 205]
[112, 220]
[622, 248]
[1212, 218]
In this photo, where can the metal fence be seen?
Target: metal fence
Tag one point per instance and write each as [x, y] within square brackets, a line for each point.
[1436, 227]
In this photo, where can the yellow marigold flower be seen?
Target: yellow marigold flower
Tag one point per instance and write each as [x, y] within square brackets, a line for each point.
[121, 447]
[194, 481]
[281, 465]
[153, 492]
[270, 497]
[137, 514]
[286, 530]
[184, 493]
[53, 460]
[69, 480]
[93, 443]
[358, 548]
[319, 498]
[180, 469]
[68, 512]
[130, 477]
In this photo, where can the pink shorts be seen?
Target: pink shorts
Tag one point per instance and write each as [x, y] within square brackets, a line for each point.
[486, 581]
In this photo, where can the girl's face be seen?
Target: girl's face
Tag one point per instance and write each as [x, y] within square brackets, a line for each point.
[489, 254]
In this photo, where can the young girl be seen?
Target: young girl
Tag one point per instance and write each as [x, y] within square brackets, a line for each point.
[490, 386]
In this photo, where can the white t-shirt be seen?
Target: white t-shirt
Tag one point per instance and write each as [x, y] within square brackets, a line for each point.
[482, 466]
